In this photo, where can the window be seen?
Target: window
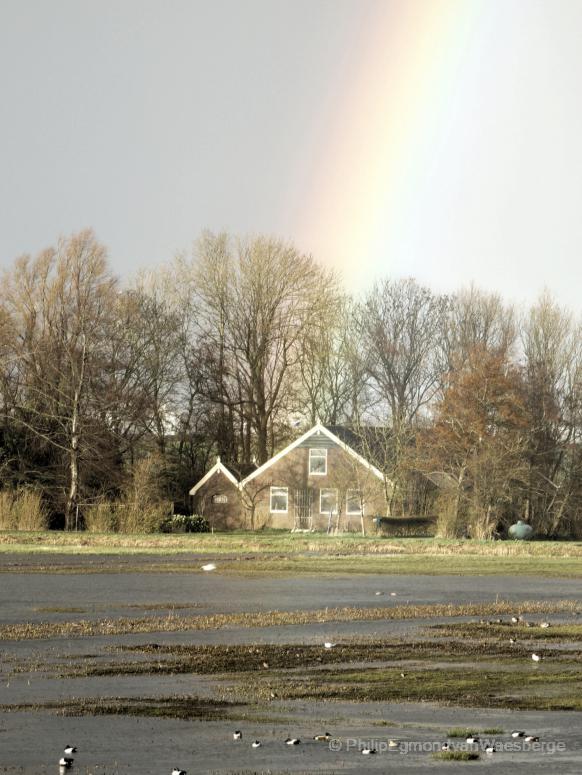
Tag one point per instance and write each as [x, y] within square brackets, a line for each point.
[279, 500]
[318, 461]
[328, 501]
[220, 499]
[354, 502]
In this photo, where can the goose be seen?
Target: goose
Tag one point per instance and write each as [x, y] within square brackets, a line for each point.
[209, 566]
[323, 738]
[368, 751]
[237, 735]
[536, 657]
[329, 645]
[518, 733]
[515, 619]
[292, 741]
[66, 762]
[70, 749]
[178, 771]
[256, 744]
[472, 740]
[446, 747]
[532, 739]
[490, 749]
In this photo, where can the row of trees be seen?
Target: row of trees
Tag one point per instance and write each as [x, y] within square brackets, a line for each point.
[232, 347]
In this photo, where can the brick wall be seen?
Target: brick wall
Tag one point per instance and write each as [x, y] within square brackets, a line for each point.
[292, 471]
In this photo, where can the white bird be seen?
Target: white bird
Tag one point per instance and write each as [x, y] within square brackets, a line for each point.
[379, 593]
[532, 739]
[323, 738]
[209, 566]
[256, 744]
[446, 747]
[329, 645]
[471, 740]
[178, 771]
[545, 625]
[292, 741]
[490, 749]
[237, 735]
[368, 751]
[517, 733]
[392, 744]
[536, 657]
[65, 762]
[70, 749]
[392, 594]
[515, 619]
[512, 640]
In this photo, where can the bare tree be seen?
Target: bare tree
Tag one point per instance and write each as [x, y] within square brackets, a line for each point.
[59, 305]
[552, 346]
[400, 323]
[257, 299]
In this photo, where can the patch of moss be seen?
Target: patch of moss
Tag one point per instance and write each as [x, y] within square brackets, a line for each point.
[456, 756]
[179, 707]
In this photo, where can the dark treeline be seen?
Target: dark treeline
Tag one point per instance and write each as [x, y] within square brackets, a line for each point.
[126, 394]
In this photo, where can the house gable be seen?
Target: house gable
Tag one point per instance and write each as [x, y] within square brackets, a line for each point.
[317, 437]
[217, 468]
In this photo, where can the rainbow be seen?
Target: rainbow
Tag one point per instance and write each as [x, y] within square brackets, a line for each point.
[382, 133]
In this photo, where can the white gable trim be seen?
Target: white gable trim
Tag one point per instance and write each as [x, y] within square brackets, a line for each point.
[318, 427]
[216, 468]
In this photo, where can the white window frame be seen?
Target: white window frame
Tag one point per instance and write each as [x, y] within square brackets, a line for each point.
[360, 510]
[320, 452]
[328, 489]
[279, 511]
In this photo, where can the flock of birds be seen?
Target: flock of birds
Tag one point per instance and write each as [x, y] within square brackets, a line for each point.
[237, 735]
[491, 749]
[368, 751]
[67, 761]
[519, 620]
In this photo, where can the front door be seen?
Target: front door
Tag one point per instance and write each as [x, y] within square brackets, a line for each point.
[303, 500]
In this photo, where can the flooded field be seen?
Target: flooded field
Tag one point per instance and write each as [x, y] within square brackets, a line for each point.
[144, 672]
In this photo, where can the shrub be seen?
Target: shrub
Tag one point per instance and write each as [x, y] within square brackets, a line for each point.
[149, 518]
[100, 517]
[7, 521]
[22, 509]
[183, 523]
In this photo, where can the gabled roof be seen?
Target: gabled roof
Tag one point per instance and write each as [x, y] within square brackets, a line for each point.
[218, 467]
[317, 428]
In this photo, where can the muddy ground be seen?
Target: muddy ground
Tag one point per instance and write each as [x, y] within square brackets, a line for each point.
[126, 705]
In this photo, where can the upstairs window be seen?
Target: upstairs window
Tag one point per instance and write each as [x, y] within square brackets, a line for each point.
[354, 502]
[328, 501]
[220, 498]
[279, 500]
[318, 462]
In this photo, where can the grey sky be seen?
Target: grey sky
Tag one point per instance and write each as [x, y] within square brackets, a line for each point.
[151, 120]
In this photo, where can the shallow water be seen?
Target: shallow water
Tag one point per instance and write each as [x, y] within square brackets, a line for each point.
[32, 742]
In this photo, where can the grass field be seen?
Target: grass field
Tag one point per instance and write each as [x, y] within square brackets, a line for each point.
[299, 553]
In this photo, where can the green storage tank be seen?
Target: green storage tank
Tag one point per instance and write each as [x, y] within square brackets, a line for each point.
[521, 531]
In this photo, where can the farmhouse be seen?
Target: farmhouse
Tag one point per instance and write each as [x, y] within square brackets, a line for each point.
[319, 481]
